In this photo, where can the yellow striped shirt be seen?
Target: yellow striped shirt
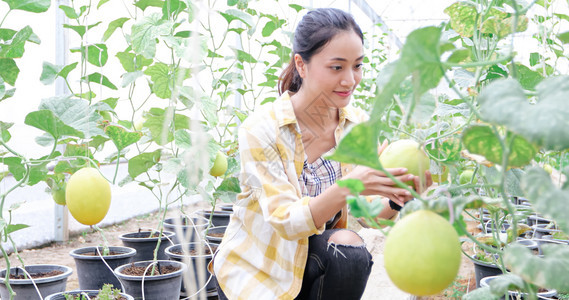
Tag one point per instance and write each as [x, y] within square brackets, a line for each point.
[264, 250]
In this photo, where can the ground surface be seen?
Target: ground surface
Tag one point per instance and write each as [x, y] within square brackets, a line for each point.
[379, 285]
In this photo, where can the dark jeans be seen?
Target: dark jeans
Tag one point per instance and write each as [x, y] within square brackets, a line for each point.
[332, 271]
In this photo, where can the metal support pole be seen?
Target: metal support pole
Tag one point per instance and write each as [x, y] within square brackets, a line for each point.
[61, 215]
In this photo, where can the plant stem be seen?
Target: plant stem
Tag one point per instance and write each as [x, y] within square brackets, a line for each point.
[7, 277]
[106, 250]
[6, 15]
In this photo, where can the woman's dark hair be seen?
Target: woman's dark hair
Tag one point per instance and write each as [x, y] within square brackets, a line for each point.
[314, 31]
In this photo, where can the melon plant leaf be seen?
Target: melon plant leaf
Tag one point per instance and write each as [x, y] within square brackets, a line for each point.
[35, 6]
[143, 4]
[114, 25]
[15, 166]
[9, 70]
[546, 197]
[145, 33]
[76, 113]
[549, 271]
[16, 47]
[462, 17]
[99, 79]
[359, 146]
[80, 29]
[481, 293]
[121, 137]
[420, 57]
[4, 133]
[480, 139]
[161, 79]
[162, 123]
[143, 162]
[47, 121]
[544, 123]
[234, 14]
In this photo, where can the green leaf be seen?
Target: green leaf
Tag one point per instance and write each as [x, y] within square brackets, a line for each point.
[172, 8]
[15, 166]
[481, 293]
[9, 71]
[77, 150]
[143, 162]
[101, 2]
[544, 123]
[564, 37]
[527, 77]
[99, 79]
[183, 139]
[232, 2]
[504, 283]
[38, 172]
[296, 7]
[480, 139]
[76, 113]
[65, 71]
[243, 56]
[47, 121]
[113, 25]
[97, 54]
[534, 58]
[355, 186]
[69, 11]
[271, 26]
[121, 137]
[546, 197]
[500, 23]
[143, 4]
[81, 29]
[359, 146]
[230, 184]
[162, 82]
[420, 57]
[162, 123]
[35, 6]
[15, 227]
[16, 47]
[132, 62]
[49, 73]
[4, 133]
[233, 14]
[361, 208]
[145, 33]
[549, 271]
[462, 17]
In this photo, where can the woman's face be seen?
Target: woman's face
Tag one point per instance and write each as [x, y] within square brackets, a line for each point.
[335, 71]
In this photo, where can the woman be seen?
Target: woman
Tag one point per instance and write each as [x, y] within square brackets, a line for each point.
[287, 236]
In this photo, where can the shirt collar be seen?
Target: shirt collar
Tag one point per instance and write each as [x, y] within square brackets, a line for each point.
[284, 112]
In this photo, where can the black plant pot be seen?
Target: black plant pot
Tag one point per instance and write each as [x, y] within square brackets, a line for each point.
[190, 289]
[25, 289]
[93, 272]
[186, 229]
[89, 293]
[214, 234]
[484, 269]
[513, 295]
[145, 245]
[158, 287]
[226, 207]
[219, 218]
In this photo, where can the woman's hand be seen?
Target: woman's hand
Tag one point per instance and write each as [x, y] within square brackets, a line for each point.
[377, 183]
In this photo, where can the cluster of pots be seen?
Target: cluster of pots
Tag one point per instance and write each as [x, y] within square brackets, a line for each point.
[541, 233]
[185, 241]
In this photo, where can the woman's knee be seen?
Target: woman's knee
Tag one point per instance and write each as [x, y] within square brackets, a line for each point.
[346, 237]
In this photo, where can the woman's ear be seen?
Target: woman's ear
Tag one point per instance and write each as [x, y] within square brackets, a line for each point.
[300, 65]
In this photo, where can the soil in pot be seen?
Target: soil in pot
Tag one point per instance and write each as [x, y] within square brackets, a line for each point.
[34, 275]
[157, 287]
[24, 288]
[139, 271]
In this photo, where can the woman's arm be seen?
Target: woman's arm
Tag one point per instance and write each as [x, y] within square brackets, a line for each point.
[333, 199]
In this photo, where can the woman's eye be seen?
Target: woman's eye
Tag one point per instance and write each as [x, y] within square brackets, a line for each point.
[358, 66]
[336, 68]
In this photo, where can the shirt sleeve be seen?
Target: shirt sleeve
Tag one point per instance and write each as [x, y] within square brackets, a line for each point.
[264, 175]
